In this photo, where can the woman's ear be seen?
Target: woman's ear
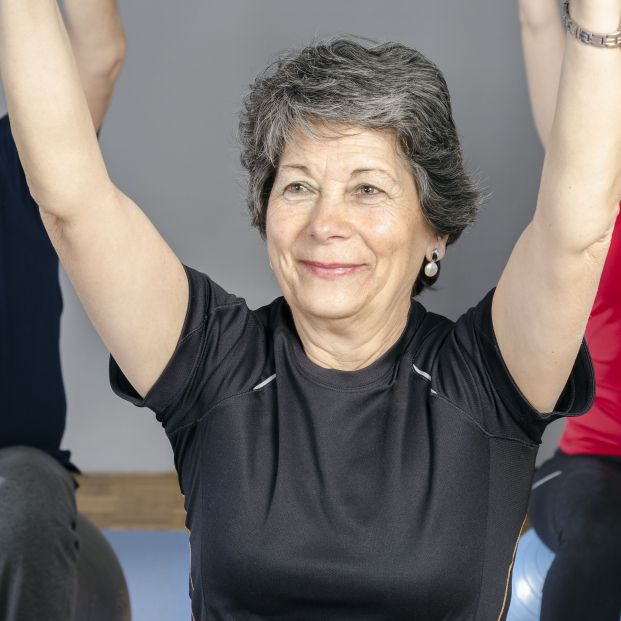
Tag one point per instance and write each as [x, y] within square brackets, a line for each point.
[437, 244]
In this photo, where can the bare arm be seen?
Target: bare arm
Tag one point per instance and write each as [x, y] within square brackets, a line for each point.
[132, 285]
[545, 294]
[543, 39]
[98, 42]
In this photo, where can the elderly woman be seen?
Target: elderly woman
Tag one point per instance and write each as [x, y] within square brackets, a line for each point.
[343, 453]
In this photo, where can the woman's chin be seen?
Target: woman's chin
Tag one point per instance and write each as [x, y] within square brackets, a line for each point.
[330, 307]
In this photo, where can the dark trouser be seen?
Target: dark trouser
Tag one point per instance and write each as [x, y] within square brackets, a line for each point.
[38, 542]
[575, 508]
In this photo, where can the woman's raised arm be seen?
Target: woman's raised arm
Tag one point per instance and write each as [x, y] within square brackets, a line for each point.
[545, 294]
[130, 282]
[543, 40]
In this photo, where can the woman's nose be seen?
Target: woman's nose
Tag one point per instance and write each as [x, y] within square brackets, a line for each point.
[329, 219]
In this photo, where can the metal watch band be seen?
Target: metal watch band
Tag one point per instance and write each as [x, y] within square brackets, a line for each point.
[589, 38]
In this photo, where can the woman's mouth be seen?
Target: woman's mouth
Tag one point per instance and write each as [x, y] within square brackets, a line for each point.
[332, 270]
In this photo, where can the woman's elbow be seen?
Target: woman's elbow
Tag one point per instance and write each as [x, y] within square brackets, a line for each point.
[107, 64]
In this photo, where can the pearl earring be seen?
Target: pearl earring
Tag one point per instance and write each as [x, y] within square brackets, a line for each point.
[431, 268]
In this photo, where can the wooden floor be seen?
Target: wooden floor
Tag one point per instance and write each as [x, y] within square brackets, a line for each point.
[132, 501]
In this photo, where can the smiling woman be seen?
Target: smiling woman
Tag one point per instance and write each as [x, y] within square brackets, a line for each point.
[343, 453]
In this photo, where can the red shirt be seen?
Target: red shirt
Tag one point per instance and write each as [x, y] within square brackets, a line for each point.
[599, 430]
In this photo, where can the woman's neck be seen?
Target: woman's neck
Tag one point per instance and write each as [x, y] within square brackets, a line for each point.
[351, 343]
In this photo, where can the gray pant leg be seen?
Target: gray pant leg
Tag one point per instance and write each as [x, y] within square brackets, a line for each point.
[38, 543]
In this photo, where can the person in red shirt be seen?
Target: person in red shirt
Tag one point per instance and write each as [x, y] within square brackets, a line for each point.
[575, 504]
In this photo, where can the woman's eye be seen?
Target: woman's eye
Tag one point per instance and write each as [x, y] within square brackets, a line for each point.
[368, 191]
[295, 188]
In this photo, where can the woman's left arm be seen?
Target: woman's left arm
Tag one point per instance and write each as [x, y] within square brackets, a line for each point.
[546, 292]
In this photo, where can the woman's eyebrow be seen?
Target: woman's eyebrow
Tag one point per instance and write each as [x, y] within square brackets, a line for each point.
[382, 171]
[354, 173]
[301, 167]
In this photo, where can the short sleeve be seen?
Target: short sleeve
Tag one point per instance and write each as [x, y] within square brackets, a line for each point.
[220, 353]
[470, 372]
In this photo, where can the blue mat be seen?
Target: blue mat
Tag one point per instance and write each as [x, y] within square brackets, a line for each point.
[156, 566]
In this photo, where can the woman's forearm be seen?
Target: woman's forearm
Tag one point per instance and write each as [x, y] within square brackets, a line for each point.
[96, 32]
[543, 40]
[581, 188]
[99, 45]
[50, 118]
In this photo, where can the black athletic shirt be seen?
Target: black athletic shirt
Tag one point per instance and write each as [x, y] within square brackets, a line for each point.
[32, 396]
[392, 493]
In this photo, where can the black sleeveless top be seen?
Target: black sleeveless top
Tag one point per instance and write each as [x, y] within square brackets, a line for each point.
[393, 493]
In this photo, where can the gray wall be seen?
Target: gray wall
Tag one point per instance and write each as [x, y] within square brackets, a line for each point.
[169, 141]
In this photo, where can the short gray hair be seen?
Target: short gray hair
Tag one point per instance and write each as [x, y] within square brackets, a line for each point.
[354, 82]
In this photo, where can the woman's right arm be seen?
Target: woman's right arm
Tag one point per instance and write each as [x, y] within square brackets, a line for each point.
[132, 285]
[543, 40]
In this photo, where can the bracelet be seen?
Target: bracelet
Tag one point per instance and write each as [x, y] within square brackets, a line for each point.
[589, 38]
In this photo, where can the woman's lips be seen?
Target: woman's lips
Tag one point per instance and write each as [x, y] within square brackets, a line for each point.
[332, 270]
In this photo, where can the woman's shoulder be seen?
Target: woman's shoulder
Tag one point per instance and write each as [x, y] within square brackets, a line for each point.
[429, 328]
[209, 298]
[436, 332]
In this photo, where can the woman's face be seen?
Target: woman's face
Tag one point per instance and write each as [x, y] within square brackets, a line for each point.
[345, 232]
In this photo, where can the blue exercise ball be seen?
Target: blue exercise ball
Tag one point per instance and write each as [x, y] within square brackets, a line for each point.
[532, 561]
